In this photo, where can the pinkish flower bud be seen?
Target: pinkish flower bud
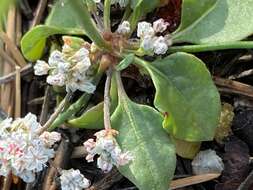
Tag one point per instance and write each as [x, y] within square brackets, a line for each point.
[160, 25]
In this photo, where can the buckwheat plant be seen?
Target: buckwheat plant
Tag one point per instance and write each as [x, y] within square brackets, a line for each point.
[138, 139]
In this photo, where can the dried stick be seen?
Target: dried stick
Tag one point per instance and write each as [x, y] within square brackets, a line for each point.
[13, 49]
[242, 74]
[234, 87]
[18, 93]
[36, 101]
[11, 76]
[18, 27]
[7, 182]
[7, 58]
[60, 160]
[39, 12]
[107, 102]
[111, 178]
[193, 180]
[7, 95]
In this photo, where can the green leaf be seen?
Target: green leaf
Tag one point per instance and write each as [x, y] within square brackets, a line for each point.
[33, 42]
[61, 20]
[63, 15]
[141, 133]
[228, 21]
[193, 11]
[94, 117]
[125, 62]
[91, 119]
[185, 93]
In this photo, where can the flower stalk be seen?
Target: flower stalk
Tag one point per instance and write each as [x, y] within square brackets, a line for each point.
[55, 114]
[107, 14]
[107, 101]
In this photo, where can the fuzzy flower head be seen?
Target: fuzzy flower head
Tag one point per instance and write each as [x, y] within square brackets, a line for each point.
[150, 36]
[124, 28]
[108, 150]
[145, 29]
[160, 25]
[68, 68]
[73, 180]
[22, 151]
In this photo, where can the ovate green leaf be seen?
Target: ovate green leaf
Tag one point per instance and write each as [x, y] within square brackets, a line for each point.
[186, 94]
[61, 20]
[193, 11]
[141, 133]
[230, 20]
[33, 42]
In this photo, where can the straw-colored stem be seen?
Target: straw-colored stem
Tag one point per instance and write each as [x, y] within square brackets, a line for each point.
[13, 49]
[18, 93]
[39, 12]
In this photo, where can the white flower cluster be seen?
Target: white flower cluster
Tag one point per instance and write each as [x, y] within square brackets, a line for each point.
[22, 151]
[73, 180]
[150, 42]
[66, 70]
[122, 3]
[108, 150]
[124, 28]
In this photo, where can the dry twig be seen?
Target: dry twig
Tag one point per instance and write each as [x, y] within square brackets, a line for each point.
[18, 93]
[39, 12]
[233, 87]
[11, 76]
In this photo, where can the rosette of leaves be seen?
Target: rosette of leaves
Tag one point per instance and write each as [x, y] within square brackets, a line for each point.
[187, 103]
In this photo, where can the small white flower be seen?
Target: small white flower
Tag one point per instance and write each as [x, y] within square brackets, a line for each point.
[160, 25]
[41, 68]
[58, 79]
[125, 158]
[80, 69]
[108, 150]
[104, 165]
[80, 55]
[160, 46]
[145, 29]
[55, 58]
[124, 28]
[73, 180]
[30, 120]
[148, 43]
[37, 156]
[97, 1]
[50, 138]
[89, 144]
